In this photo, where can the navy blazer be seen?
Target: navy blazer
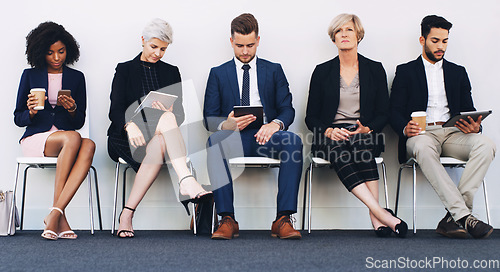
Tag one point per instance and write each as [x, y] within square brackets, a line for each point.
[126, 90]
[73, 80]
[222, 93]
[324, 96]
[409, 93]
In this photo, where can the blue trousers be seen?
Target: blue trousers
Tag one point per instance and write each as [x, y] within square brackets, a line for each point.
[226, 144]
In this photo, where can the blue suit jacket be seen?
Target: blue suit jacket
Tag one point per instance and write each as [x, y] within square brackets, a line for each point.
[58, 116]
[409, 93]
[222, 93]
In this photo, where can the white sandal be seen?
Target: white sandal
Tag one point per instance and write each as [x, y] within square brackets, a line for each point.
[50, 234]
[72, 235]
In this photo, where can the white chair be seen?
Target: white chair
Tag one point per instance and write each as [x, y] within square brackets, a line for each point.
[250, 162]
[445, 161]
[50, 162]
[316, 162]
[117, 172]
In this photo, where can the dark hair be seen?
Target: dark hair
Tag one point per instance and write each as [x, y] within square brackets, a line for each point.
[40, 39]
[245, 24]
[433, 21]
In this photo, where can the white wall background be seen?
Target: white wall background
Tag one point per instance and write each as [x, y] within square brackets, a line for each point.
[293, 34]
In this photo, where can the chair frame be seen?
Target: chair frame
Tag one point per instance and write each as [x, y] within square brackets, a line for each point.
[248, 162]
[51, 162]
[117, 173]
[316, 162]
[446, 162]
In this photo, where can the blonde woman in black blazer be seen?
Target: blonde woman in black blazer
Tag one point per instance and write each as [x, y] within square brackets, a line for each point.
[148, 138]
[347, 107]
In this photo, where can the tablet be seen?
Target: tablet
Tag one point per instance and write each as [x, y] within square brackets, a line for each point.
[463, 115]
[166, 99]
[257, 111]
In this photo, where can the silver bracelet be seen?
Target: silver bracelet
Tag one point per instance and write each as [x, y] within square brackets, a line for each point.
[73, 109]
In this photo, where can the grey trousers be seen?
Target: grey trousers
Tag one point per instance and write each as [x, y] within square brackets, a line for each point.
[478, 150]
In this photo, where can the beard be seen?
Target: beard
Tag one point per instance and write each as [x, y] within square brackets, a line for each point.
[430, 54]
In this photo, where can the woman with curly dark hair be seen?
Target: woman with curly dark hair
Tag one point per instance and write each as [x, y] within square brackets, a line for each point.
[50, 131]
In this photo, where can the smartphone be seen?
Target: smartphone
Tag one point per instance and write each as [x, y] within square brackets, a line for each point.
[63, 92]
[352, 127]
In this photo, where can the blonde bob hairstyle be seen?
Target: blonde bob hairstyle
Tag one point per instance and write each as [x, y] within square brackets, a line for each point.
[341, 20]
[159, 29]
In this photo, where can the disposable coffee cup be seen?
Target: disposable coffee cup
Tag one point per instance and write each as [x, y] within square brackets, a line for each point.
[419, 117]
[40, 94]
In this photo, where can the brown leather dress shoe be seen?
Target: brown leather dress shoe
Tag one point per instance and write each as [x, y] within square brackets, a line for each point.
[283, 229]
[227, 229]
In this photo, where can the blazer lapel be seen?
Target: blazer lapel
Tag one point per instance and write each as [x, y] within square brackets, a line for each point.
[422, 79]
[261, 81]
[364, 80]
[448, 83]
[333, 91]
[233, 82]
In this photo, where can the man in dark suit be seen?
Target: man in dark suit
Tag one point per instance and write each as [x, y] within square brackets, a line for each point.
[441, 89]
[250, 81]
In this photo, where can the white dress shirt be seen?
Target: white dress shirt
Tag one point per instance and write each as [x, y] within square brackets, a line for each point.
[254, 88]
[437, 105]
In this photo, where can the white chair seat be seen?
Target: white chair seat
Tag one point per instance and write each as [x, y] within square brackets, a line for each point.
[320, 162]
[254, 162]
[450, 160]
[37, 160]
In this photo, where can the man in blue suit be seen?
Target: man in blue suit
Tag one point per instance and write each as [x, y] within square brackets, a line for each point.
[442, 89]
[250, 81]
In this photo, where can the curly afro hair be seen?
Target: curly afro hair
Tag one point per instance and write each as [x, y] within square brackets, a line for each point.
[40, 39]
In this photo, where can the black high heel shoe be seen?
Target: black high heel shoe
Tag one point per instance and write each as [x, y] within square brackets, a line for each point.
[401, 229]
[383, 231]
[125, 231]
[185, 200]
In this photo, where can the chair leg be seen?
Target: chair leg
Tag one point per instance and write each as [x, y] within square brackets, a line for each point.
[12, 206]
[98, 200]
[113, 222]
[396, 205]
[304, 200]
[486, 202]
[414, 198]
[91, 204]
[384, 176]
[213, 218]
[311, 166]
[193, 172]
[23, 196]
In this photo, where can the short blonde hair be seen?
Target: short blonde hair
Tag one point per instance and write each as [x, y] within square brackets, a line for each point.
[159, 29]
[341, 20]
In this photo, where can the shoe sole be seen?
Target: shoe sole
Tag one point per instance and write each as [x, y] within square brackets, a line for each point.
[453, 234]
[486, 235]
[291, 237]
[224, 237]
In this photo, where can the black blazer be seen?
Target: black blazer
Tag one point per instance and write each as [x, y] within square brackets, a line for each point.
[126, 90]
[409, 93]
[324, 95]
[58, 116]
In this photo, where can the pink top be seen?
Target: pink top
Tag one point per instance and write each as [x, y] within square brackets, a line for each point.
[55, 85]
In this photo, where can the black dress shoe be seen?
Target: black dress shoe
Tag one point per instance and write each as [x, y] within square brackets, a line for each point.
[477, 228]
[383, 231]
[448, 227]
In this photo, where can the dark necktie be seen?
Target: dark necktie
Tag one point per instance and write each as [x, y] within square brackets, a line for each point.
[245, 88]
